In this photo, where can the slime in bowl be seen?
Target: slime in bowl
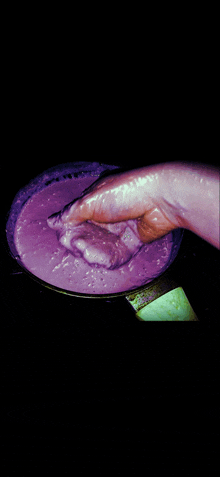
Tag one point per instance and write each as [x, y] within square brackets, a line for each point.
[45, 257]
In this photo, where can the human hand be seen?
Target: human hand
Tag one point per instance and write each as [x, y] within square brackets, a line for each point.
[160, 198]
[136, 194]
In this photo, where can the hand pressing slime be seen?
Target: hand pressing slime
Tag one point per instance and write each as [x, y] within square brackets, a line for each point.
[109, 247]
[104, 224]
[152, 200]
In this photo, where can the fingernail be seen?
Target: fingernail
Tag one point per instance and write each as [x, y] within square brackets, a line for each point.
[54, 221]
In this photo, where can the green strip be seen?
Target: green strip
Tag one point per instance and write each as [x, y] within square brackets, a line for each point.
[172, 306]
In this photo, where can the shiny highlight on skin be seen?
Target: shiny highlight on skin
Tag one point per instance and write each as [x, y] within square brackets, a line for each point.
[161, 197]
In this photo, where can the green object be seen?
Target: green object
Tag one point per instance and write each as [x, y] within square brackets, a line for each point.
[164, 300]
[173, 306]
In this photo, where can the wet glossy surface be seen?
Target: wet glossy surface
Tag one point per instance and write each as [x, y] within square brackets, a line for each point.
[43, 255]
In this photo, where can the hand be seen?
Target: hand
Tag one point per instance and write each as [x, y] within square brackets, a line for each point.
[136, 194]
[161, 198]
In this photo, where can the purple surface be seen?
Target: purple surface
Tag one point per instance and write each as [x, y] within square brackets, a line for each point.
[138, 271]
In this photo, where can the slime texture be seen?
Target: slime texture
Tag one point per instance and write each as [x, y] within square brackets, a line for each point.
[68, 258]
[109, 247]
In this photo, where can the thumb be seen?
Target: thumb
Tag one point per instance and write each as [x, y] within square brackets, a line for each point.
[153, 225]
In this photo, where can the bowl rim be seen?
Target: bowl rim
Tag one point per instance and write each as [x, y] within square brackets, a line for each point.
[124, 293]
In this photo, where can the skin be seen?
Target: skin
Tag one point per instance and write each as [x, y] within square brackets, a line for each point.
[161, 197]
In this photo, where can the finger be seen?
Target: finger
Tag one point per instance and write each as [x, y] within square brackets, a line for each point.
[54, 221]
[69, 214]
[74, 213]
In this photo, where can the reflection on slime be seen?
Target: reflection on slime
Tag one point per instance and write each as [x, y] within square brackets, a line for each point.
[47, 258]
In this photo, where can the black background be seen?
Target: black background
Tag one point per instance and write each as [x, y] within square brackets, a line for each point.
[84, 380]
